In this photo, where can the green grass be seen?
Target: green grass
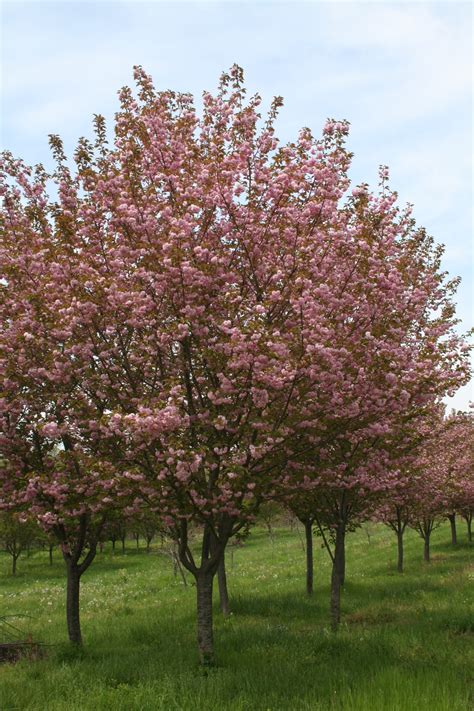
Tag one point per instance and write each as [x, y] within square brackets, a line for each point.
[405, 644]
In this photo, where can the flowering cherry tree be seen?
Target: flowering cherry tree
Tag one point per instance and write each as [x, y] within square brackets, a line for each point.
[400, 507]
[395, 510]
[187, 243]
[436, 479]
[51, 470]
[15, 535]
[386, 353]
[455, 446]
[168, 271]
[218, 324]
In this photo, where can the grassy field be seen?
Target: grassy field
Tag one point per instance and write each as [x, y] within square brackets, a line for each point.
[405, 644]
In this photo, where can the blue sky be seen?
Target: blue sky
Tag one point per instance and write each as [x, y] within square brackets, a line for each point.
[401, 73]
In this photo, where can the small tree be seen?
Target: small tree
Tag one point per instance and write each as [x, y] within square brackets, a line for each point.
[15, 534]
[455, 445]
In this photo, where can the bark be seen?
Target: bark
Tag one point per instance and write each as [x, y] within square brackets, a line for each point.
[74, 571]
[75, 567]
[426, 550]
[205, 640]
[337, 577]
[123, 544]
[308, 527]
[342, 561]
[452, 521]
[212, 550]
[223, 591]
[400, 551]
[72, 603]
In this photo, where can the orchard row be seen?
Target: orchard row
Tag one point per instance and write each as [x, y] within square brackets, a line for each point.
[197, 320]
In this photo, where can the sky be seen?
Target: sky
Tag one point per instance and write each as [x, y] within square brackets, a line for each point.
[401, 73]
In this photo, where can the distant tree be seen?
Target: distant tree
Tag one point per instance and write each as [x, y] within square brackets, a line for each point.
[455, 447]
[15, 535]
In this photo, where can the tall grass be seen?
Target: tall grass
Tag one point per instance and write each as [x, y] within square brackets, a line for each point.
[405, 644]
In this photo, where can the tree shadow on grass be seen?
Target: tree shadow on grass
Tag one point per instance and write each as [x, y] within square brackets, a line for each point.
[397, 603]
[299, 606]
[275, 650]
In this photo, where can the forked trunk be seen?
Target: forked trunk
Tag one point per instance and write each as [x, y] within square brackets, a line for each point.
[337, 577]
[72, 603]
[212, 552]
[452, 521]
[223, 591]
[205, 640]
[74, 571]
[308, 527]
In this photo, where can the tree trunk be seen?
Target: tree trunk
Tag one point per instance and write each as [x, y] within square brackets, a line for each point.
[337, 577]
[51, 554]
[205, 640]
[400, 551]
[72, 603]
[14, 559]
[223, 592]
[469, 528]
[123, 544]
[342, 562]
[452, 521]
[308, 527]
[426, 550]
